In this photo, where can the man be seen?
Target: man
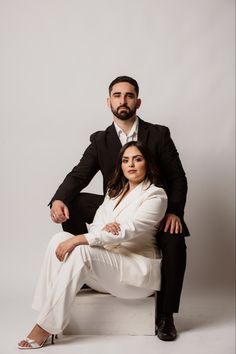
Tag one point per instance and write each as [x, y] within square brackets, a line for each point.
[74, 209]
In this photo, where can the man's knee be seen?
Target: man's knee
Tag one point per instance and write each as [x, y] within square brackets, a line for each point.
[86, 204]
[82, 210]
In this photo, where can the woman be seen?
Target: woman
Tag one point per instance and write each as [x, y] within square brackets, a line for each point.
[118, 255]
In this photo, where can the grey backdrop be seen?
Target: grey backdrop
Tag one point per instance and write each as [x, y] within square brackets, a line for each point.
[57, 59]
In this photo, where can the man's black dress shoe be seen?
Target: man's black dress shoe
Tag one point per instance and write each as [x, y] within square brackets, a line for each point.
[165, 328]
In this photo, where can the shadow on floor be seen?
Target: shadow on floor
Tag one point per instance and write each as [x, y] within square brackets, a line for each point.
[205, 311]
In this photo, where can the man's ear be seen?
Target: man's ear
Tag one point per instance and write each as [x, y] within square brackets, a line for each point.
[108, 102]
[139, 101]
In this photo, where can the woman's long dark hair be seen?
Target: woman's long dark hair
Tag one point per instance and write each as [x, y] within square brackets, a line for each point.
[118, 182]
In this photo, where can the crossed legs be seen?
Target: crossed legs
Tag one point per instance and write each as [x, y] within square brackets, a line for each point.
[60, 282]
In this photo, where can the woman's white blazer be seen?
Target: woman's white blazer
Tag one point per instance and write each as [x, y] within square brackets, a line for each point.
[139, 214]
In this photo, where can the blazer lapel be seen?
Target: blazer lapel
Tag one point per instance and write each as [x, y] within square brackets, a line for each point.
[142, 131]
[132, 196]
[113, 142]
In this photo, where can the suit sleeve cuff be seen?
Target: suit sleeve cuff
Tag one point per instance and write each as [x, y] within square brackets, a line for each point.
[93, 239]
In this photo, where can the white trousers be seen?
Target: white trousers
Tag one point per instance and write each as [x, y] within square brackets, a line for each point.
[59, 282]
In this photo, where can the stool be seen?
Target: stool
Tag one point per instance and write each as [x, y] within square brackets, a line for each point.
[96, 313]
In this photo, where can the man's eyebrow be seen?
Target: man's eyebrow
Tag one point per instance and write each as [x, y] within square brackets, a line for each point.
[126, 93]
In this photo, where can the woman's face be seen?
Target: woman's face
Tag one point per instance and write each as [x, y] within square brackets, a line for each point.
[133, 165]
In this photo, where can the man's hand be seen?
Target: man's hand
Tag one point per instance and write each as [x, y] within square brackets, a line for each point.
[112, 227]
[59, 212]
[171, 223]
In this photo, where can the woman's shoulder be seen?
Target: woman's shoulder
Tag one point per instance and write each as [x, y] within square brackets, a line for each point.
[152, 190]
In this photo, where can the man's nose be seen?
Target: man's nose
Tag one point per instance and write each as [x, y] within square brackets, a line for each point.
[122, 100]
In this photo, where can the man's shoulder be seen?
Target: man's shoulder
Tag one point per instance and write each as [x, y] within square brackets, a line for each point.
[153, 126]
[100, 134]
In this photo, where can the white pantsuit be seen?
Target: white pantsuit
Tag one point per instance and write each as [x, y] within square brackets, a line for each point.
[126, 265]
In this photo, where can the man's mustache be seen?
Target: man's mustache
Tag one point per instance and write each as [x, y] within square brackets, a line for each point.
[123, 106]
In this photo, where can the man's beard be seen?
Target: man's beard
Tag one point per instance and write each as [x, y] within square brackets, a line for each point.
[123, 114]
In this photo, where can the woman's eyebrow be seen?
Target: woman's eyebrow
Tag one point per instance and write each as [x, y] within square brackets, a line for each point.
[126, 157]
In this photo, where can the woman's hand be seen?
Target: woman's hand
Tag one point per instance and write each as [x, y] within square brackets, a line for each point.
[65, 247]
[113, 228]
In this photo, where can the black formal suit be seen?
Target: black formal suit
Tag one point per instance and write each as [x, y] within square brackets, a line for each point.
[102, 155]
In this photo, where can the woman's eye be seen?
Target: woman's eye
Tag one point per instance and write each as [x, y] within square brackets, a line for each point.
[124, 161]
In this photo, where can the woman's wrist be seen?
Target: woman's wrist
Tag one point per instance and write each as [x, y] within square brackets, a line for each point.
[80, 240]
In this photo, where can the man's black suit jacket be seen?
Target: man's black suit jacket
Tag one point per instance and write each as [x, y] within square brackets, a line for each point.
[102, 155]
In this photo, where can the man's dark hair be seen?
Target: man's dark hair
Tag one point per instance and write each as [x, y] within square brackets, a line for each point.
[124, 78]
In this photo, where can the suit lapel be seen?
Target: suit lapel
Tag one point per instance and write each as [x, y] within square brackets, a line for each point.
[132, 196]
[142, 131]
[113, 143]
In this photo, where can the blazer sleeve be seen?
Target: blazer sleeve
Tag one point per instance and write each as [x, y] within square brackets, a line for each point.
[146, 218]
[80, 176]
[173, 175]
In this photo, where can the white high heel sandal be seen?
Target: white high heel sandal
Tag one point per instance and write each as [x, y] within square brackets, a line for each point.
[34, 345]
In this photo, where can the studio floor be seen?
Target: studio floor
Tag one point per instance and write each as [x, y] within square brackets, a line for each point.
[206, 325]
